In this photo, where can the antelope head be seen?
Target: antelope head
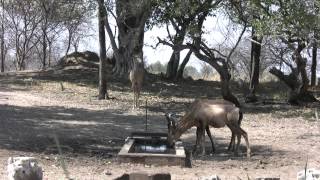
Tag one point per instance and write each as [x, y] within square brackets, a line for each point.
[171, 119]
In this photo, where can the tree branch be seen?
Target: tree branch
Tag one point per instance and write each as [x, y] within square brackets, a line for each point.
[168, 31]
[237, 43]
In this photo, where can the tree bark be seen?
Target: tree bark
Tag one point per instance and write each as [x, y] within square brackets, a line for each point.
[102, 65]
[225, 85]
[131, 19]
[255, 67]
[173, 64]
[2, 38]
[183, 65]
[220, 65]
[314, 64]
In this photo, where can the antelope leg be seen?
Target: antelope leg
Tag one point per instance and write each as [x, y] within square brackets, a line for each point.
[210, 137]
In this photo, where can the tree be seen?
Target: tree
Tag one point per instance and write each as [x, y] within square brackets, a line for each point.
[183, 65]
[181, 15]
[314, 64]
[23, 25]
[49, 27]
[35, 28]
[2, 48]
[292, 22]
[103, 94]
[131, 17]
[205, 53]
[75, 21]
[255, 66]
[248, 12]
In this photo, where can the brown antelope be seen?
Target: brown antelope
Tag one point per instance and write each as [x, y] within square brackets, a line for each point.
[136, 77]
[232, 141]
[205, 113]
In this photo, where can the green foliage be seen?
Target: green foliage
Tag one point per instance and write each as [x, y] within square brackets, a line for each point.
[293, 19]
[179, 12]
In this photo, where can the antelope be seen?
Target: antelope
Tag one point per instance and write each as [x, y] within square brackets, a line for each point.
[136, 77]
[232, 141]
[205, 113]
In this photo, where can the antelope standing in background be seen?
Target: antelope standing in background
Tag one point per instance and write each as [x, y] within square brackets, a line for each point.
[204, 113]
[136, 77]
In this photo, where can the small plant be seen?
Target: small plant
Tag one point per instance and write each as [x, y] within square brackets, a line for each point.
[61, 160]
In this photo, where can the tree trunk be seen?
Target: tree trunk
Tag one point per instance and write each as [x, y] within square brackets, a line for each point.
[173, 65]
[225, 86]
[131, 19]
[20, 60]
[183, 65]
[220, 65]
[174, 61]
[75, 48]
[49, 54]
[255, 67]
[2, 47]
[44, 49]
[297, 80]
[102, 66]
[69, 42]
[314, 64]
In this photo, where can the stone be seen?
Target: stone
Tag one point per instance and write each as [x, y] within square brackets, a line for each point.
[145, 176]
[24, 168]
[214, 177]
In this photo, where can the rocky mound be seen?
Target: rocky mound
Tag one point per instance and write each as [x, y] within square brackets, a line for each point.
[86, 59]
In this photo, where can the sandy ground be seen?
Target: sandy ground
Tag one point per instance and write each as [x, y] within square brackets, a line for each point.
[91, 132]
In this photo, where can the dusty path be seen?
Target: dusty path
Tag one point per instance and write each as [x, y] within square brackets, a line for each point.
[91, 133]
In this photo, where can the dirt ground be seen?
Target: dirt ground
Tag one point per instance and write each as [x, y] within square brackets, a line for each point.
[35, 107]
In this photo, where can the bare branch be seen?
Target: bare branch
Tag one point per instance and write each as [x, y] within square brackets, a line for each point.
[237, 43]
[168, 31]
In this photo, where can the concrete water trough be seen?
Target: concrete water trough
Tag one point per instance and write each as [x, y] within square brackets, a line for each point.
[152, 149]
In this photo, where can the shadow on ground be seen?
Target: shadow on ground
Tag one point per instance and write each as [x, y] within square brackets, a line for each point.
[78, 130]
